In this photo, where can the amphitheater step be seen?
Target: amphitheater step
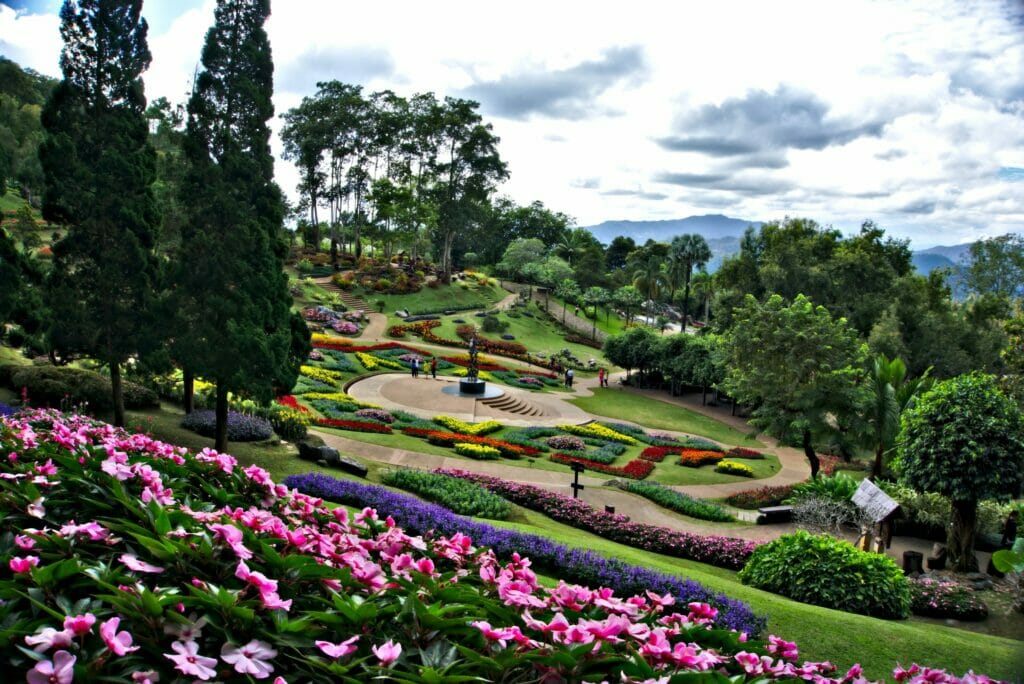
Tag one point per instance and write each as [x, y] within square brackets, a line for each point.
[508, 403]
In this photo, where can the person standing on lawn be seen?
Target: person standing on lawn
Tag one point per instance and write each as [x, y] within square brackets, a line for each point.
[433, 367]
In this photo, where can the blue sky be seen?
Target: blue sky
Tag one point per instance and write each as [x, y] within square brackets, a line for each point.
[907, 113]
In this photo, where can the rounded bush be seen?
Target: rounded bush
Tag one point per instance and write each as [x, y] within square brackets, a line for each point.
[825, 571]
[241, 428]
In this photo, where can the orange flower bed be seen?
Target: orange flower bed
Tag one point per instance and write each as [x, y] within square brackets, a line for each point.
[695, 458]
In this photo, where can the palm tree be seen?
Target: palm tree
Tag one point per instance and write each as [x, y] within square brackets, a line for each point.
[704, 285]
[569, 245]
[892, 394]
[691, 251]
[650, 278]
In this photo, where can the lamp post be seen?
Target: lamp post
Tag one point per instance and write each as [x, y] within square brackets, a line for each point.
[577, 468]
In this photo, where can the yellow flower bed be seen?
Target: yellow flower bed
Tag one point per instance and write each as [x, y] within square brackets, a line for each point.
[328, 377]
[598, 432]
[478, 451]
[320, 338]
[733, 468]
[464, 428]
[463, 372]
[371, 362]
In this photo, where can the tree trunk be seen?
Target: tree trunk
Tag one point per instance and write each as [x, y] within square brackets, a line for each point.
[686, 301]
[118, 389]
[876, 470]
[188, 382]
[960, 539]
[221, 441]
[812, 457]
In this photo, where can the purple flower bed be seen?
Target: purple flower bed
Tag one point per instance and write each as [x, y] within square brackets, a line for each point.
[6, 410]
[376, 414]
[345, 327]
[725, 552]
[566, 443]
[241, 428]
[573, 565]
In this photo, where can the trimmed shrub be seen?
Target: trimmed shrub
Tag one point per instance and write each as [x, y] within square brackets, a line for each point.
[55, 386]
[676, 501]
[241, 427]
[825, 571]
[757, 498]
[734, 468]
[458, 495]
[944, 599]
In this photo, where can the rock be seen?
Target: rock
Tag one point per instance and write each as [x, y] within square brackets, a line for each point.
[401, 314]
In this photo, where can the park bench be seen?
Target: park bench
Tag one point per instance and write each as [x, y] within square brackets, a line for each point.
[774, 514]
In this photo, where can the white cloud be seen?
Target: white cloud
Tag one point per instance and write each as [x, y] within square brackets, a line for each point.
[936, 84]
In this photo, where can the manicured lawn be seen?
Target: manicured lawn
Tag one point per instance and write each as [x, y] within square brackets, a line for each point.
[619, 404]
[435, 300]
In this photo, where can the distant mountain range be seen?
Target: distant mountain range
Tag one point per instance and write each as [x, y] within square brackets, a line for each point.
[723, 235]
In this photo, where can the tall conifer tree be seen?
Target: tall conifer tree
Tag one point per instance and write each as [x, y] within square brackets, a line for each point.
[237, 329]
[99, 170]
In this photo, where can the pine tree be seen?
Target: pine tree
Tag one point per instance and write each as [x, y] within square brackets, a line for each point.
[99, 170]
[235, 328]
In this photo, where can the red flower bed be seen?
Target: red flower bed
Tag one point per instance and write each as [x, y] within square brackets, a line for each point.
[355, 425]
[695, 458]
[348, 346]
[513, 350]
[740, 452]
[482, 366]
[291, 402]
[586, 341]
[657, 454]
[448, 439]
[637, 469]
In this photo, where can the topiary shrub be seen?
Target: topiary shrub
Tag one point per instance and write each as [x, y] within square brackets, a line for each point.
[241, 427]
[56, 386]
[825, 571]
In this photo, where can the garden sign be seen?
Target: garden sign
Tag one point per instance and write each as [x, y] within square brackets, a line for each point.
[875, 503]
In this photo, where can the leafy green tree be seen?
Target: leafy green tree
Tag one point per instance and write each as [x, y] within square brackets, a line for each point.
[629, 299]
[964, 439]
[797, 365]
[506, 221]
[519, 253]
[996, 267]
[637, 348]
[891, 394]
[235, 324]
[618, 252]
[100, 170]
[650, 278]
[686, 253]
[704, 287]
[595, 297]
[569, 292]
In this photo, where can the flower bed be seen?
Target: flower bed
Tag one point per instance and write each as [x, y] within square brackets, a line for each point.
[448, 439]
[478, 451]
[657, 454]
[676, 501]
[463, 361]
[598, 431]
[291, 402]
[462, 427]
[327, 377]
[355, 425]
[945, 599]
[585, 341]
[566, 443]
[636, 469]
[241, 427]
[695, 458]
[733, 468]
[752, 499]
[379, 415]
[742, 452]
[458, 495]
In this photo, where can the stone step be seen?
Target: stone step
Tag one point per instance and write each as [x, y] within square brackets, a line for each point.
[511, 404]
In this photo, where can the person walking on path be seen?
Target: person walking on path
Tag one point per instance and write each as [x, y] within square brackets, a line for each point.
[568, 378]
[600, 377]
[433, 367]
[415, 367]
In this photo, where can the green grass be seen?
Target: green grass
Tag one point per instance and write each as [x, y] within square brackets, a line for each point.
[652, 413]
[434, 299]
[12, 201]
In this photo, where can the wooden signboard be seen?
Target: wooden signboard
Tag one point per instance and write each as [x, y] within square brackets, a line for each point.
[873, 501]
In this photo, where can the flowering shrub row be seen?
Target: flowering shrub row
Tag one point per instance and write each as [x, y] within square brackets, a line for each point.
[676, 501]
[586, 341]
[460, 496]
[460, 426]
[743, 452]
[425, 329]
[372, 363]
[380, 415]
[291, 402]
[566, 443]
[724, 552]
[482, 364]
[327, 377]
[637, 469]
[464, 373]
[657, 454]
[733, 468]
[355, 425]
[597, 431]
[477, 451]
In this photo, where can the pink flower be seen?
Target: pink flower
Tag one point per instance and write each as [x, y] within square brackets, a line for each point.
[135, 564]
[60, 671]
[19, 565]
[189, 662]
[232, 536]
[48, 638]
[387, 652]
[250, 659]
[147, 677]
[24, 541]
[36, 509]
[189, 632]
[80, 624]
[119, 643]
[341, 650]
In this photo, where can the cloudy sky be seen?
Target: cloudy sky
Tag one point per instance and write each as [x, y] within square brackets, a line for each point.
[907, 113]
